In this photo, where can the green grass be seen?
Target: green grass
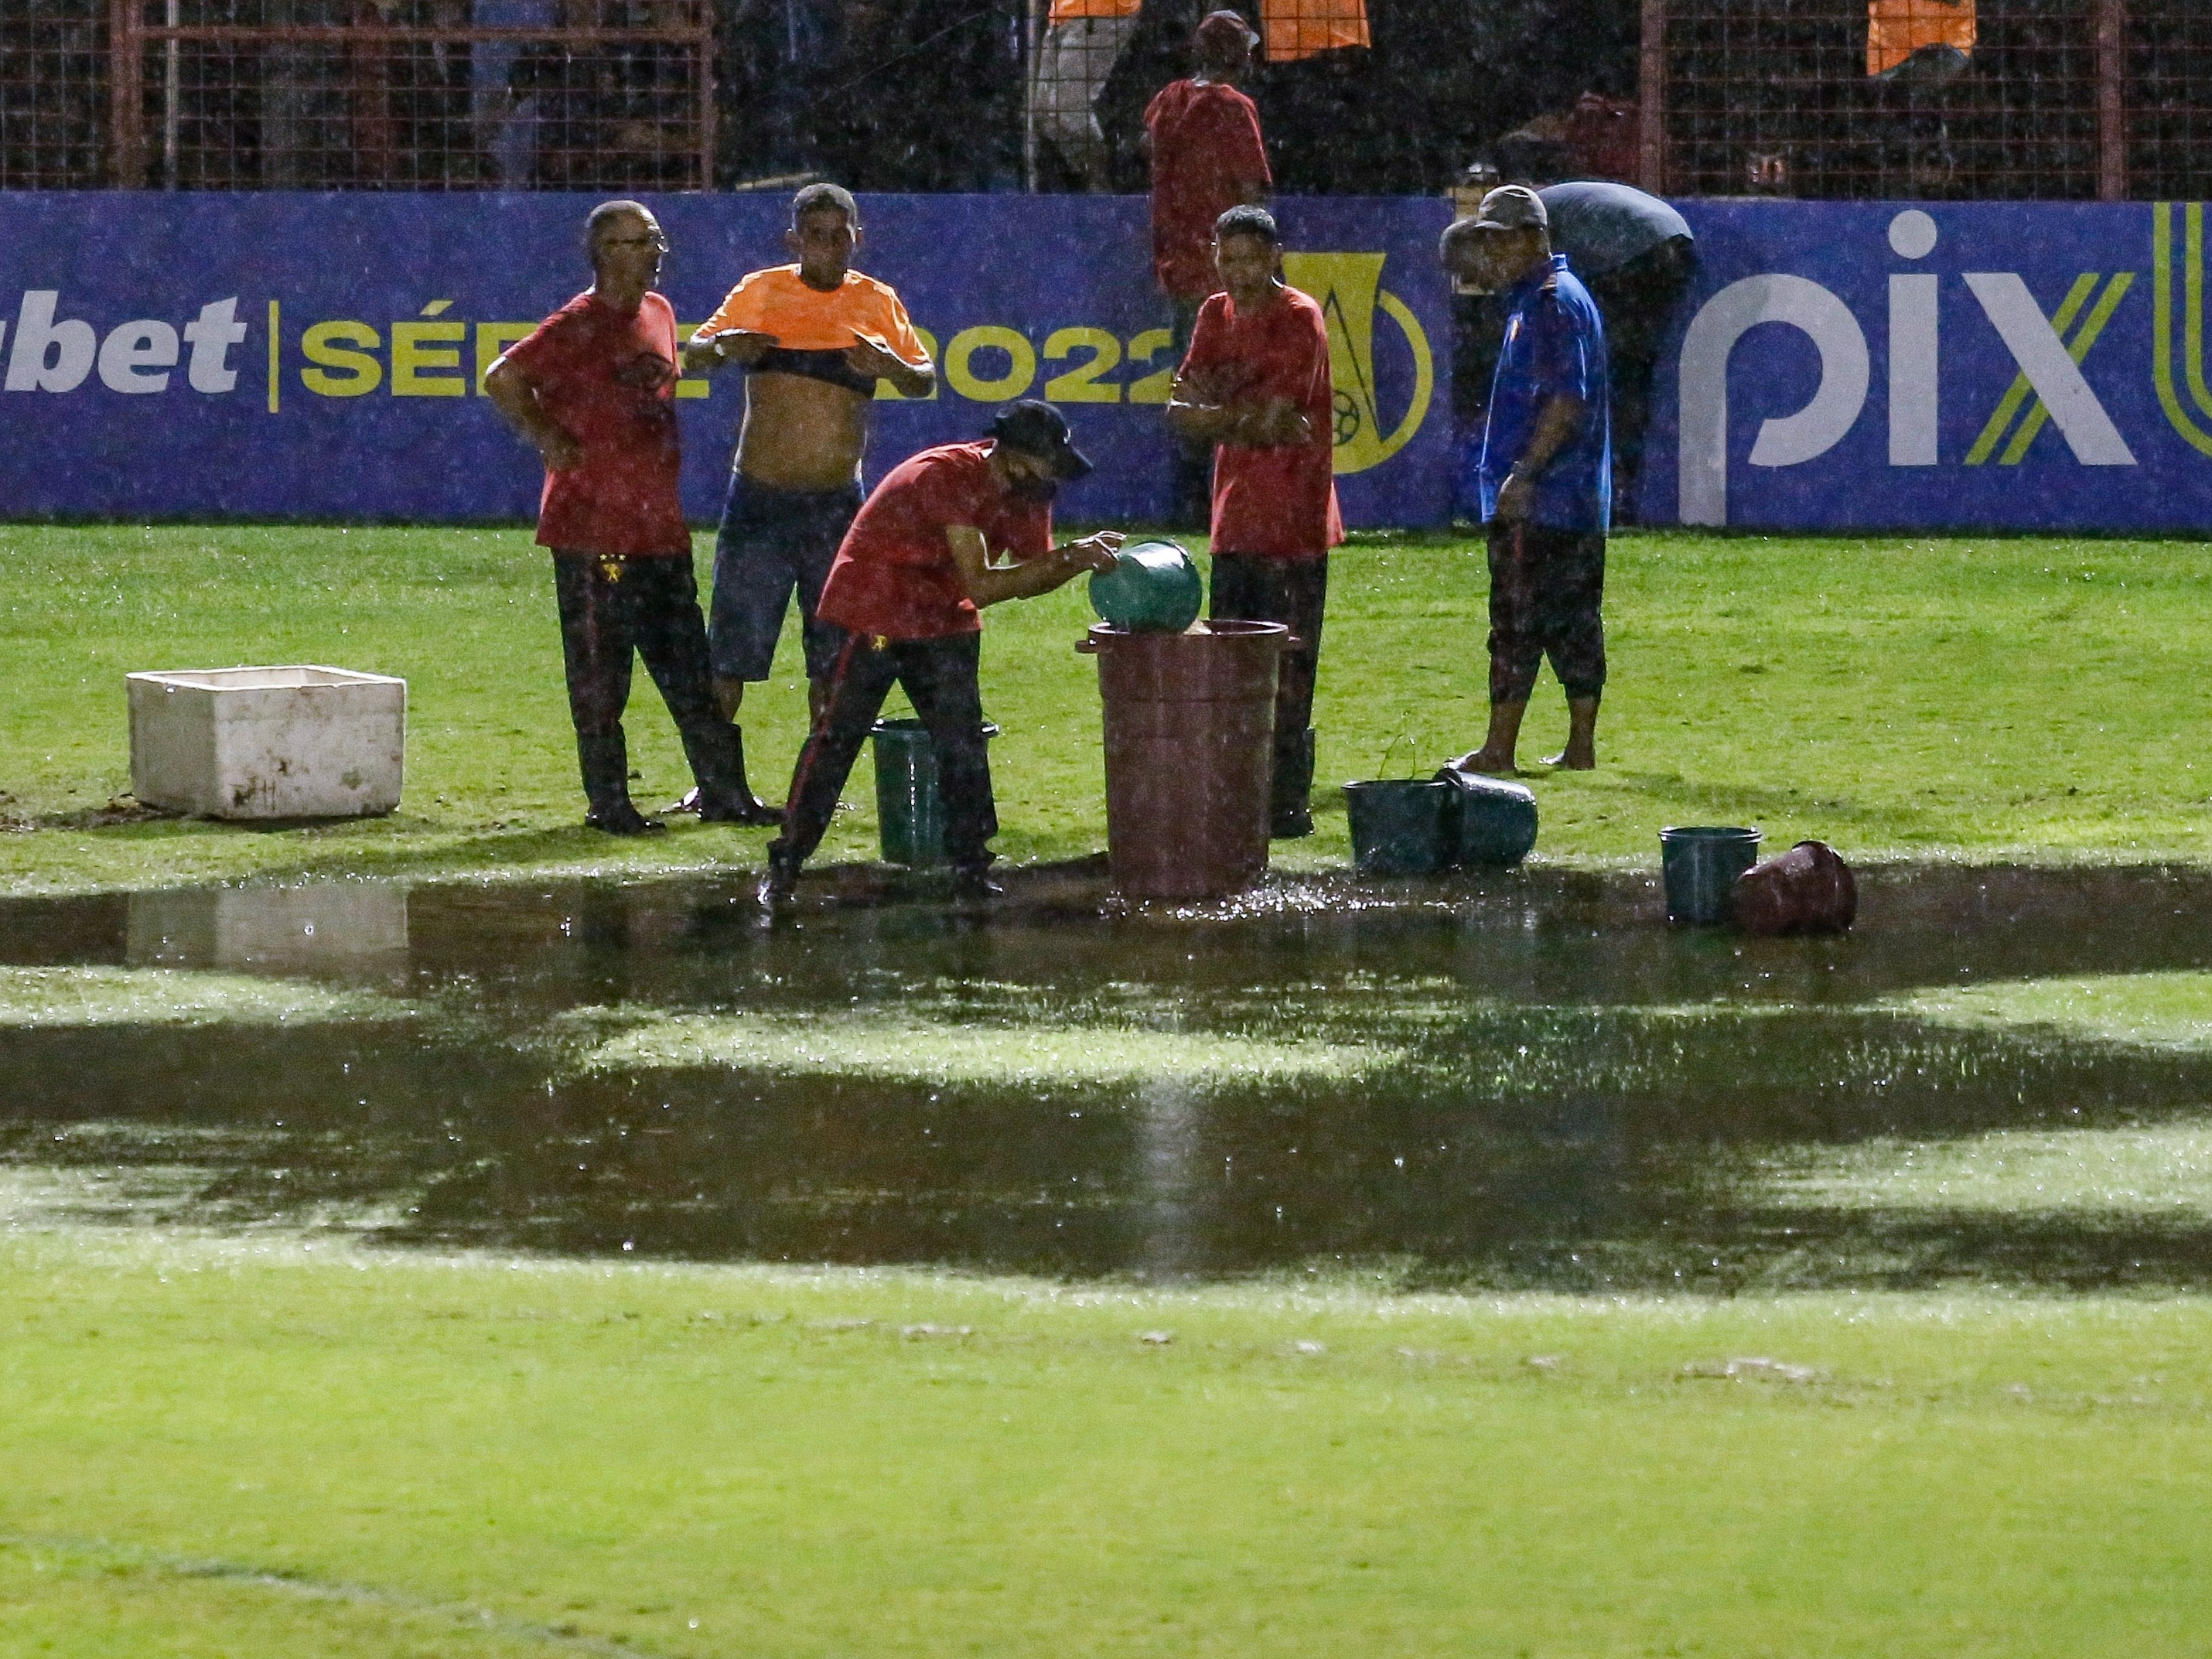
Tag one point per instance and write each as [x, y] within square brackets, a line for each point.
[54, 998]
[1062, 1056]
[2090, 1174]
[264, 1448]
[1972, 698]
[2153, 1010]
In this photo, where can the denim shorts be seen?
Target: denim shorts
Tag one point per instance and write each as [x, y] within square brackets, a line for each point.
[772, 543]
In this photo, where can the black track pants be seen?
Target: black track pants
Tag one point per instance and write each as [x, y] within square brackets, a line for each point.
[938, 677]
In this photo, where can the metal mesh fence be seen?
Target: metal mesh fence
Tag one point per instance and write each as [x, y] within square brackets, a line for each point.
[1932, 99]
[2052, 99]
[417, 94]
[53, 93]
[1094, 64]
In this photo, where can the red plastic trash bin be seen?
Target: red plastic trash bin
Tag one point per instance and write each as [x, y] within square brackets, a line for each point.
[1190, 730]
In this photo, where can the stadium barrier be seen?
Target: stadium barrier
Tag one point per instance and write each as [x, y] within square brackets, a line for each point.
[1838, 366]
[1868, 365]
[289, 355]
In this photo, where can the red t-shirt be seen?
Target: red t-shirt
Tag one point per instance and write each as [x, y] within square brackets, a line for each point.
[1281, 501]
[895, 575]
[620, 496]
[1206, 149]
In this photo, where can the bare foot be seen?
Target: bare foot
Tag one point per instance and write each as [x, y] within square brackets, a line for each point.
[1571, 759]
[1485, 760]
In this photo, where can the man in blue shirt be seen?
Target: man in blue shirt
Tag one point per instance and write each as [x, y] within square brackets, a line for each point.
[1543, 474]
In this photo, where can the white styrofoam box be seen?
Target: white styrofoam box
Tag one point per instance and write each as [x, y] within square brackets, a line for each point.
[303, 742]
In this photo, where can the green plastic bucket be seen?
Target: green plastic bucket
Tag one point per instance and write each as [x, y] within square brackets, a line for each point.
[1400, 826]
[909, 811]
[1153, 588]
[1699, 865]
[1493, 823]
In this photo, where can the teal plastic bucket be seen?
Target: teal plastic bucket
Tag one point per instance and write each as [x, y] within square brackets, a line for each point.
[1153, 588]
[1699, 867]
[1400, 826]
[909, 811]
[1493, 823]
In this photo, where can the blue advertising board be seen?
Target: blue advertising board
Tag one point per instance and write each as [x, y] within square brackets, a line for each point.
[1838, 366]
[276, 355]
[2015, 366]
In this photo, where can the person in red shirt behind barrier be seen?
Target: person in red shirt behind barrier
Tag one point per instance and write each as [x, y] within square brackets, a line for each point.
[592, 389]
[1203, 136]
[918, 563]
[1256, 384]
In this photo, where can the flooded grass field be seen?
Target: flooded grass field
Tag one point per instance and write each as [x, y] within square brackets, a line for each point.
[1480, 1267]
[1526, 1080]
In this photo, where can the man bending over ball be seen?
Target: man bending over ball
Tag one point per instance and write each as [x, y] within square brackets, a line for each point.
[1256, 385]
[813, 338]
[921, 560]
[592, 388]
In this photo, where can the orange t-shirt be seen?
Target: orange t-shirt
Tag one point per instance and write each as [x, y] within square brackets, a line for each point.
[813, 329]
[1301, 28]
[1067, 11]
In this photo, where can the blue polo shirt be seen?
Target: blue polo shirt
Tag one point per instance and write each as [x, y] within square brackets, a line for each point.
[1554, 344]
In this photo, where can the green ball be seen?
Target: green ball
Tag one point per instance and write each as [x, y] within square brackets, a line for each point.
[1154, 588]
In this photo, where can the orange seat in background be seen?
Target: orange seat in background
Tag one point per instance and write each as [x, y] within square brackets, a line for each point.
[1897, 28]
[1067, 11]
[1301, 28]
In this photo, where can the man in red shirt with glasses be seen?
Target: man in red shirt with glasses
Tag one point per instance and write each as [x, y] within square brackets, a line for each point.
[1257, 385]
[592, 389]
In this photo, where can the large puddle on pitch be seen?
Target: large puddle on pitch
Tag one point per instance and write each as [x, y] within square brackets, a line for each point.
[1526, 1080]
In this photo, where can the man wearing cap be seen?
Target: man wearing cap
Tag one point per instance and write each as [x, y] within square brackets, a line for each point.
[1542, 477]
[921, 559]
[1203, 136]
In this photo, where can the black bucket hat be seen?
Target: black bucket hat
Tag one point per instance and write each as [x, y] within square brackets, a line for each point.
[1036, 427]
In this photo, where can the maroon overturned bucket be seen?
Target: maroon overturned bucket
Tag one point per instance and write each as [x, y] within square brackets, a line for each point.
[1808, 890]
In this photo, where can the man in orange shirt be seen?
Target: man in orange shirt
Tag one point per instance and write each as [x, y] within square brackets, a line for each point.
[1256, 385]
[814, 338]
[1083, 41]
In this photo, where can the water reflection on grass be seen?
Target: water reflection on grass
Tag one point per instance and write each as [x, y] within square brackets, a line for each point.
[2162, 1009]
[891, 1049]
[59, 998]
[1525, 1081]
[2165, 1171]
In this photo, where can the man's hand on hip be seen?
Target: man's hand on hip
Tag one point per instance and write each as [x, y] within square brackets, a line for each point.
[561, 452]
[1516, 498]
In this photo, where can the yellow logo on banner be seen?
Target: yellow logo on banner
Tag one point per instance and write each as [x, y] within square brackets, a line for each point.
[2191, 344]
[1348, 287]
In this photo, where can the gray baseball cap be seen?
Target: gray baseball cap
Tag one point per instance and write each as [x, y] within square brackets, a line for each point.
[1512, 207]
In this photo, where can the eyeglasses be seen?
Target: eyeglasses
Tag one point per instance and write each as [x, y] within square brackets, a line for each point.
[658, 244]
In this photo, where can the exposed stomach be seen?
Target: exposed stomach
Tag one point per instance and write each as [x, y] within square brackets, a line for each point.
[801, 434]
